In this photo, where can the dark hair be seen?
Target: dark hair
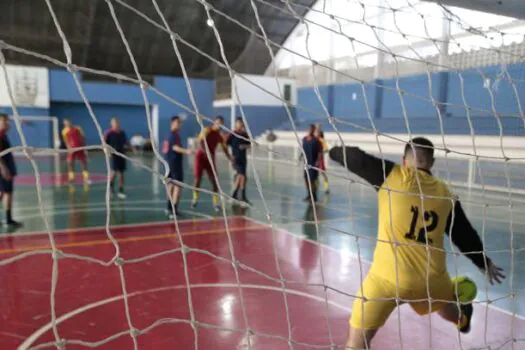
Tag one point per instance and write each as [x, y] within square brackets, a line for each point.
[4, 116]
[424, 150]
[239, 119]
[175, 118]
[220, 117]
[311, 129]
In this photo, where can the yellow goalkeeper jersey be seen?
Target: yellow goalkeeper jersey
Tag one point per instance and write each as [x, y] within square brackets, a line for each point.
[412, 222]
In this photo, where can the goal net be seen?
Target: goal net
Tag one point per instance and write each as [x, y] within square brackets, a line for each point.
[373, 74]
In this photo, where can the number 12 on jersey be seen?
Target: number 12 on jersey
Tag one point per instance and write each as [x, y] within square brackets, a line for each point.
[430, 221]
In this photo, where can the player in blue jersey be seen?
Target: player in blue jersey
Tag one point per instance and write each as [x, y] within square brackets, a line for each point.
[313, 150]
[239, 143]
[117, 139]
[7, 173]
[174, 152]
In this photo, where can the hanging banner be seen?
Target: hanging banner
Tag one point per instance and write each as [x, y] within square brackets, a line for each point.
[29, 85]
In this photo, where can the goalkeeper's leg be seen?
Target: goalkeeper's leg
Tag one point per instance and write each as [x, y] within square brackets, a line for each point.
[360, 339]
[372, 306]
[447, 306]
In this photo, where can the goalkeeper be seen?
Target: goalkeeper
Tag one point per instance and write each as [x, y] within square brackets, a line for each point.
[415, 210]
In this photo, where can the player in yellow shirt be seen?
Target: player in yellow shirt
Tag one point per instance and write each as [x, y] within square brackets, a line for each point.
[415, 211]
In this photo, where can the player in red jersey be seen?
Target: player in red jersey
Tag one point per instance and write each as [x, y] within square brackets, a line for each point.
[212, 137]
[322, 166]
[74, 138]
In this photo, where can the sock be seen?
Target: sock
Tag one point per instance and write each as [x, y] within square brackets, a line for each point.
[112, 185]
[85, 174]
[215, 199]
[121, 189]
[326, 185]
[463, 322]
[8, 217]
[71, 175]
[168, 205]
[196, 195]
[244, 193]
[235, 192]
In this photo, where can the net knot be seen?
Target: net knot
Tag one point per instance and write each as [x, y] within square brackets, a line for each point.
[61, 344]
[134, 332]
[72, 68]
[185, 249]
[58, 254]
[119, 261]
[108, 150]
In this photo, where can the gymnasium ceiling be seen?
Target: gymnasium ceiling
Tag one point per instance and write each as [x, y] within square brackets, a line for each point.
[96, 43]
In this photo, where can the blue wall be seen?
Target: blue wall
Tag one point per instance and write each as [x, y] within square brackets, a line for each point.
[444, 88]
[311, 107]
[37, 134]
[204, 93]
[132, 118]
[115, 99]
[259, 118]
[126, 102]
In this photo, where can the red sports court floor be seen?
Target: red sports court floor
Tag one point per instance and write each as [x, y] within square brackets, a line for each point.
[90, 307]
[51, 179]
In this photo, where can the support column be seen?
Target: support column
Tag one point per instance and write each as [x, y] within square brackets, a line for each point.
[443, 63]
[332, 74]
[233, 106]
[380, 64]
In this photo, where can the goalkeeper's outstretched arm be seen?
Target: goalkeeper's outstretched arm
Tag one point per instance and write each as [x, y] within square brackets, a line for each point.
[373, 169]
[467, 239]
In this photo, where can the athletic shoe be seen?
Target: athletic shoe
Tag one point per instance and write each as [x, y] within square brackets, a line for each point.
[170, 214]
[246, 201]
[467, 310]
[217, 208]
[12, 224]
[122, 195]
[308, 199]
[327, 191]
[193, 204]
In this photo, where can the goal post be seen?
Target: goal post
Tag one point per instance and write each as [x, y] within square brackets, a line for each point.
[42, 131]
[42, 135]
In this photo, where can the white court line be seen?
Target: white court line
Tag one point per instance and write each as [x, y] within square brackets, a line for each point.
[490, 306]
[103, 227]
[29, 341]
[96, 209]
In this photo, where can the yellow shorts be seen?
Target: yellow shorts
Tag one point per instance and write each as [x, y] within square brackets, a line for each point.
[372, 311]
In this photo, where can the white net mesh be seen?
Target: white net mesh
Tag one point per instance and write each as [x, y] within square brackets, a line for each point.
[482, 163]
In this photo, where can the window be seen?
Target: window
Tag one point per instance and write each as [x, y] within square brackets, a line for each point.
[287, 93]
